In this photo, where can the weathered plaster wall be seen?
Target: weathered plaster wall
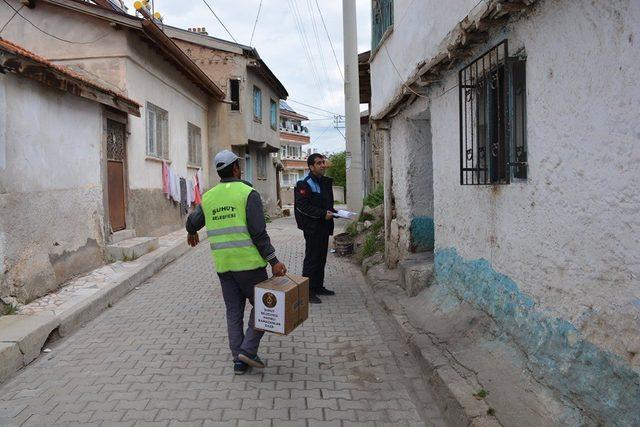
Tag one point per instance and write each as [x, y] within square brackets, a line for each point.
[412, 177]
[220, 67]
[153, 80]
[556, 260]
[265, 186]
[51, 195]
[236, 128]
[262, 131]
[65, 24]
[122, 61]
[421, 25]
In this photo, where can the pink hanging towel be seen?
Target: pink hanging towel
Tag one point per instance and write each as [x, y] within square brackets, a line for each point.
[165, 179]
[196, 191]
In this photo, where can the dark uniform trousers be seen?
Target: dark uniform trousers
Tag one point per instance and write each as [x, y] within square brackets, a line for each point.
[315, 258]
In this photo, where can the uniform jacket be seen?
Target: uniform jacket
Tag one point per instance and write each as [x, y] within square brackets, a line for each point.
[313, 197]
[255, 223]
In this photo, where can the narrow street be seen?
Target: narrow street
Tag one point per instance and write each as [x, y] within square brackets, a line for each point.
[160, 357]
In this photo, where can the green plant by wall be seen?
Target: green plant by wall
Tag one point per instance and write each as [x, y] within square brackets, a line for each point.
[377, 226]
[366, 217]
[372, 244]
[375, 198]
[352, 229]
[7, 309]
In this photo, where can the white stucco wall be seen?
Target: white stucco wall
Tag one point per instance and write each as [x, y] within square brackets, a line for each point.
[64, 24]
[51, 196]
[420, 25]
[569, 237]
[150, 79]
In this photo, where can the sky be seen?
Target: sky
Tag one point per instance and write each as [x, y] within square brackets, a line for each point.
[285, 37]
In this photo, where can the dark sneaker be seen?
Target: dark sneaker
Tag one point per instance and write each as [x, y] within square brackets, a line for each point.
[240, 368]
[313, 299]
[325, 291]
[251, 360]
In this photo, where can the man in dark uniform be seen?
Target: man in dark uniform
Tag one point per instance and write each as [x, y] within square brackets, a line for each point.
[314, 211]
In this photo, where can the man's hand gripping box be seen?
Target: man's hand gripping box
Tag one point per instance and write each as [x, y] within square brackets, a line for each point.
[281, 304]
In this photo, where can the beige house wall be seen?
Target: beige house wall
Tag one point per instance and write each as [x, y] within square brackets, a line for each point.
[234, 129]
[121, 60]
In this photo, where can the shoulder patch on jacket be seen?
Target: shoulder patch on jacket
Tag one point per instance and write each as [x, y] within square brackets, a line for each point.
[303, 189]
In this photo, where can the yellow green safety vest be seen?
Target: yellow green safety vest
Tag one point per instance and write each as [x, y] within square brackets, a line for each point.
[225, 213]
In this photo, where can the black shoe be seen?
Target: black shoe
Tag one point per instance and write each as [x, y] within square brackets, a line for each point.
[240, 368]
[324, 291]
[313, 299]
[251, 360]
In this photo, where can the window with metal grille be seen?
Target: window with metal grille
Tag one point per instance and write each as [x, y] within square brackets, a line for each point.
[195, 145]
[381, 20]
[234, 89]
[157, 132]
[257, 104]
[493, 146]
[261, 164]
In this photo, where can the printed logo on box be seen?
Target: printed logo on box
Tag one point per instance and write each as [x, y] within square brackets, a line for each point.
[269, 310]
[269, 300]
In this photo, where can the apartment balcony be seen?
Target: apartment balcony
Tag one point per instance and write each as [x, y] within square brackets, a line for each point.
[304, 131]
[294, 162]
[291, 136]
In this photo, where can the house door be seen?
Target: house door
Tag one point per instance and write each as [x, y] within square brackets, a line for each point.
[116, 155]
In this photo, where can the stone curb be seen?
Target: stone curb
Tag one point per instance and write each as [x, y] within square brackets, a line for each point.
[452, 392]
[23, 336]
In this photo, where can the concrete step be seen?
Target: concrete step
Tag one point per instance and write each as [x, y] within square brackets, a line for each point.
[130, 249]
[416, 272]
[121, 235]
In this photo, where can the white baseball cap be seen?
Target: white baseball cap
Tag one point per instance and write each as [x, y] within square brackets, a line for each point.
[224, 159]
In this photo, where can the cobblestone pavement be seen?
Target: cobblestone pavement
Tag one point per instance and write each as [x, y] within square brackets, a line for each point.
[160, 357]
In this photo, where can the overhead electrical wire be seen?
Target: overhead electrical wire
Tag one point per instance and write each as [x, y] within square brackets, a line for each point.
[330, 42]
[255, 23]
[220, 21]
[305, 44]
[11, 18]
[314, 107]
[319, 49]
[323, 132]
[17, 12]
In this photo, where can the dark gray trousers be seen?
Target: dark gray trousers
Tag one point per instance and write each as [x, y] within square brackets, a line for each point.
[237, 288]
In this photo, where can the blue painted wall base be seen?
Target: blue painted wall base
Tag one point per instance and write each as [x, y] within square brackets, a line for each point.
[422, 233]
[599, 382]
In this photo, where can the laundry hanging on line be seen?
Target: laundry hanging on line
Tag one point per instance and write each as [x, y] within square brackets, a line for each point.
[186, 194]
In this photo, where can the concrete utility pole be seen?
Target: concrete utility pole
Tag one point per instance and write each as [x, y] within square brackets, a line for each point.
[355, 191]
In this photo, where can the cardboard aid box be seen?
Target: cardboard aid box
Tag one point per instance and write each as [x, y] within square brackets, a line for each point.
[281, 304]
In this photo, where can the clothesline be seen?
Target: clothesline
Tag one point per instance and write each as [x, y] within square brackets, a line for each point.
[184, 191]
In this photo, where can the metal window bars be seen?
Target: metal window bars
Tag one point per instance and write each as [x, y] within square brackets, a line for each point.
[493, 119]
[482, 92]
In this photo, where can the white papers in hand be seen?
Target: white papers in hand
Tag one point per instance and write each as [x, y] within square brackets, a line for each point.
[345, 214]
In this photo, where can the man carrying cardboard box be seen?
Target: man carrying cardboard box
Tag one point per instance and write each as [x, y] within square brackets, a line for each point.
[241, 248]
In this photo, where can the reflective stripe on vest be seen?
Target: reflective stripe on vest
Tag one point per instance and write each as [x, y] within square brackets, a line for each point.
[225, 211]
[234, 244]
[228, 230]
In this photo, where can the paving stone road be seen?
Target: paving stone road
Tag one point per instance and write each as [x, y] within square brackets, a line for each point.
[160, 357]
